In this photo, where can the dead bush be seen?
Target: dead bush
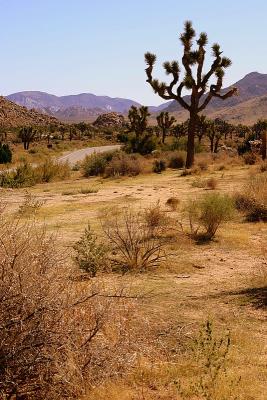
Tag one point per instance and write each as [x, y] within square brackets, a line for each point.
[133, 247]
[57, 335]
[252, 200]
[155, 219]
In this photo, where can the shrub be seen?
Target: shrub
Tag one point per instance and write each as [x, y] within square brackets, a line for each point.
[5, 154]
[57, 335]
[208, 213]
[22, 176]
[263, 166]
[123, 165]
[253, 198]
[172, 203]
[209, 357]
[143, 144]
[159, 166]
[51, 170]
[177, 160]
[30, 205]
[96, 163]
[90, 256]
[155, 219]
[250, 158]
[133, 247]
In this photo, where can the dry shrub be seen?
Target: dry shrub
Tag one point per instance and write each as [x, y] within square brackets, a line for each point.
[57, 335]
[51, 170]
[250, 158]
[133, 247]
[173, 203]
[30, 206]
[123, 165]
[253, 198]
[212, 183]
[155, 219]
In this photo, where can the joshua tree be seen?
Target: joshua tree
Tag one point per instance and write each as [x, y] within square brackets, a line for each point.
[138, 119]
[180, 130]
[82, 128]
[27, 134]
[197, 85]
[165, 122]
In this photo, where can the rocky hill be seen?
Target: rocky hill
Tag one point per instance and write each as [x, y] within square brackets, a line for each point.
[110, 120]
[12, 115]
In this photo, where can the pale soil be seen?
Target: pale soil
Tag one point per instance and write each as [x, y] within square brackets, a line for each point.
[197, 282]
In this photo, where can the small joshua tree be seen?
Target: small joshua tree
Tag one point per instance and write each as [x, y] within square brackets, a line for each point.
[138, 119]
[165, 122]
[27, 134]
[196, 85]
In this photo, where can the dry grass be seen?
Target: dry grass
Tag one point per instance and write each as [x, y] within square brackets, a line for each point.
[196, 283]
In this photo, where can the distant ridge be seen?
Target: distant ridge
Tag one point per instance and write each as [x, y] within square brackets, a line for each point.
[247, 107]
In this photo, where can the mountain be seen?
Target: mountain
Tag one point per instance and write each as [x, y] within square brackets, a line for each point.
[251, 90]
[50, 103]
[12, 115]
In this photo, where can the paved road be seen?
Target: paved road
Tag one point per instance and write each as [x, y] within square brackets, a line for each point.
[79, 155]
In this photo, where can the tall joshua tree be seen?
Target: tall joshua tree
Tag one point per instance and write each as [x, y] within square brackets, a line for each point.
[196, 83]
[165, 122]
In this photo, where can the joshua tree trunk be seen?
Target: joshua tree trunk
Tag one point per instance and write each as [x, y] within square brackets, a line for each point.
[192, 127]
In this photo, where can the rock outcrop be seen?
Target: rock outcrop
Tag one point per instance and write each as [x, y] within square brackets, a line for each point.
[110, 120]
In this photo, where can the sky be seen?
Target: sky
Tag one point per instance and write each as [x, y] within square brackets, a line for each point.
[75, 46]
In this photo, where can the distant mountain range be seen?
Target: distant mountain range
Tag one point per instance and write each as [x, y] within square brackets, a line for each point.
[247, 107]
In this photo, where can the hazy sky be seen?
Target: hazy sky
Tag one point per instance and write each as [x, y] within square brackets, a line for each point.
[74, 46]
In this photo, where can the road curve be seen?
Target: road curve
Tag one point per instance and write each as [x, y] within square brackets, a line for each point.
[78, 155]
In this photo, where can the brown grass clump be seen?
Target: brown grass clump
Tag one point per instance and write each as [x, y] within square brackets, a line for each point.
[250, 158]
[212, 183]
[253, 199]
[173, 203]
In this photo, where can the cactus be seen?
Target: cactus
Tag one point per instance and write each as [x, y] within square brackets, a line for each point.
[165, 122]
[197, 85]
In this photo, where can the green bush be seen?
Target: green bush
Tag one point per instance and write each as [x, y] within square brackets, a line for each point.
[90, 256]
[5, 154]
[159, 166]
[96, 163]
[143, 144]
[208, 213]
